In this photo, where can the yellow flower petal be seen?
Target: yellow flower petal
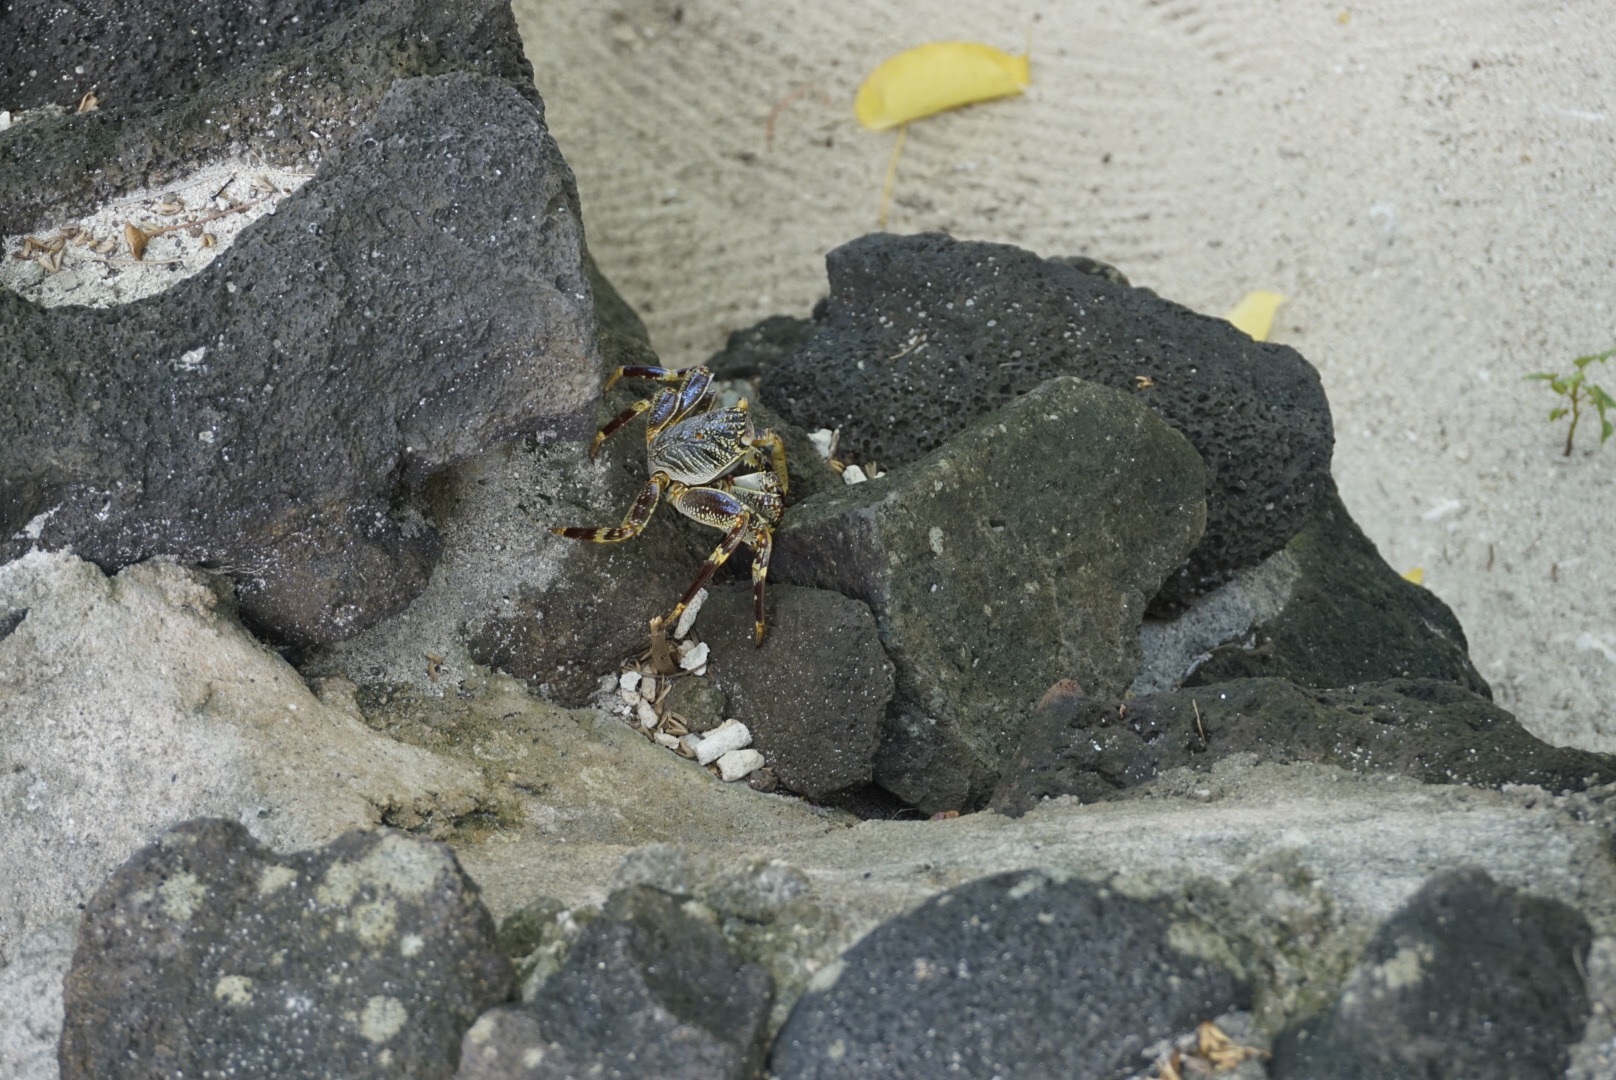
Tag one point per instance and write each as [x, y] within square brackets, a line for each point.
[937, 76]
[1254, 314]
[1416, 575]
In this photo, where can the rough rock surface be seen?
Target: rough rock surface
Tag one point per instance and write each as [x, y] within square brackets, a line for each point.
[31, 1001]
[1471, 979]
[207, 954]
[131, 703]
[646, 990]
[1021, 552]
[1428, 729]
[814, 695]
[752, 352]
[287, 107]
[1349, 618]
[924, 334]
[1019, 974]
[418, 300]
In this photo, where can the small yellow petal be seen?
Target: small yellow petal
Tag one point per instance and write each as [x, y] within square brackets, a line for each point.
[1416, 575]
[934, 77]
[1254, 314]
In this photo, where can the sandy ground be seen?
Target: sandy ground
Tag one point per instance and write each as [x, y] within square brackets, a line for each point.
[1432, 183]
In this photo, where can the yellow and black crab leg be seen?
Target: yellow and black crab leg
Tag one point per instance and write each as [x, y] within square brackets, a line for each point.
[718, 508]
[762, 548]
[633, 522]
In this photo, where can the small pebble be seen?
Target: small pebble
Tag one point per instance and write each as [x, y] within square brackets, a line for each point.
[694, 658]
[629, 680]
[737, 764]
[648, 689]
[730, 735]
[690, 742]
[822, 440]
[647, 715]
[853, 475]
[664, 739]
[630, 697]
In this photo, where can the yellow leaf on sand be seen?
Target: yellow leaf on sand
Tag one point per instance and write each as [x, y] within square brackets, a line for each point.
[934, 77]
[1254, 314]
[1416, 575]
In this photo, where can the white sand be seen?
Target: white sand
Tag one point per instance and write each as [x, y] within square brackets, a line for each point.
[194, 219]
[1432, 183]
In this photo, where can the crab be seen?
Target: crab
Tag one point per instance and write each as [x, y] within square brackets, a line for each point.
[693, 449]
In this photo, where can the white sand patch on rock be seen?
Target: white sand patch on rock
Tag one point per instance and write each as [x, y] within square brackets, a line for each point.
[91, 260]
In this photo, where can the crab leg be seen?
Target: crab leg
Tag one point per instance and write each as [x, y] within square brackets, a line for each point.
[616, 423]
[762, 548]
[634, 521]
[777, 456]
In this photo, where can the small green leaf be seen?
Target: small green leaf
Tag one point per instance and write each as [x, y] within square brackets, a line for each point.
[1605, 431]
[1601, 399]
[1555, 414]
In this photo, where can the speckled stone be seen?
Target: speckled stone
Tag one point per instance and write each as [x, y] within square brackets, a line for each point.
[1016, 975]
[1471, 980]
[208, 955]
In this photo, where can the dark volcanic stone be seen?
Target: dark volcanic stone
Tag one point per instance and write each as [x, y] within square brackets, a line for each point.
[1471, 980]
[1015, 975]
[750, 353]
[1021, 552]
[814, 695]
[647, 990]
[286, 107]
[924, 334]
[1350, 618]
[420, 299]
[136, 50]
[208, 955]
[1428, 729]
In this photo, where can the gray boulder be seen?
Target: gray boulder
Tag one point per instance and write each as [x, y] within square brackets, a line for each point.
[1428, 729]
[814, 696]
[646, 990]
[208, 955]
[1023, 974]
[1471, 980]
[1020, 552]
[924, 334]
[420, 299]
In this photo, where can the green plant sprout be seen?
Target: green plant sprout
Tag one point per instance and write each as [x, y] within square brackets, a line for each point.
[1578, 391]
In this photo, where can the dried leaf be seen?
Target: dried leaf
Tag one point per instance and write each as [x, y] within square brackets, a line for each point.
[170, 206]
[88, 103]
[208, 240]
[1254, 314]
[935, 77]
[136, 240]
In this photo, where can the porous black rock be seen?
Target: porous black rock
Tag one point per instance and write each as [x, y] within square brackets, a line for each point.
[1470, 980]
[814, 695]
[1019, 974]
[208, 955]
[284, 95]
[1428, 729]
[1349, 618]
[421, 298]
[925, 334]
[750, 353]
[1020, 552]
[647, 990]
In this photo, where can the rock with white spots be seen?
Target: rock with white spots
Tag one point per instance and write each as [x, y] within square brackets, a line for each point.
[650, 989]
[209, 955]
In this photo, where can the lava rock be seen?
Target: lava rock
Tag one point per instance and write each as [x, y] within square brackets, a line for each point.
[925, 334]
[646, 990]
[1428, 729]
[420, 299]
[752, 352]
[1349, 618]
[1471, 979]
[285, 95]
[814, 695]
[1019, 974]
[1020, 552]
[208, 955]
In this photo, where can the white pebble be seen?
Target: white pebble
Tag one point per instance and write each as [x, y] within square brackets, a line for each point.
[648, 688]
[630, 698]
[629, 680]
[853, 475]
[821, 440]
[687, 618]
[739, 763]
[647, 715]
[695, 658]
[690, 742]
[730, 735]
[664, 739]
[5, 119]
